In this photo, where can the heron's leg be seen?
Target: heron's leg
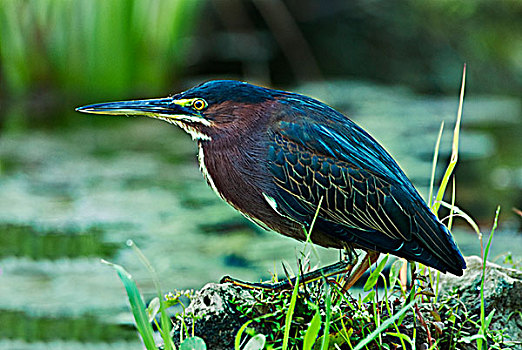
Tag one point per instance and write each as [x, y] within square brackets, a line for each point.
[327, 271]
[370, 258]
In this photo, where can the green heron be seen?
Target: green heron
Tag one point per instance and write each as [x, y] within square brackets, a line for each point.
[280, 158]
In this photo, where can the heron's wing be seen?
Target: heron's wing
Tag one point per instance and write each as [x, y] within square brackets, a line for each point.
[364, 193]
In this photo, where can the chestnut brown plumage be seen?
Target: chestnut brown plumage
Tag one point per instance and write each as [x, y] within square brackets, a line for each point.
[275, 155]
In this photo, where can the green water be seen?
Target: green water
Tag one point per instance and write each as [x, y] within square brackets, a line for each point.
[70, 196]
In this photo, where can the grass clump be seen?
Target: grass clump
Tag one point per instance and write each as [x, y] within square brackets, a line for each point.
[324, 318]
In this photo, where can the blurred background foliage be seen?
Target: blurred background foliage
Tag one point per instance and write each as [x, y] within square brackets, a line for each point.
[92, 47]
[112, 49]
[73, 188]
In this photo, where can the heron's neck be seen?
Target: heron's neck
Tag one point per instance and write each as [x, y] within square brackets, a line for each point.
[204, 170]
[220, 166]
[230, 170]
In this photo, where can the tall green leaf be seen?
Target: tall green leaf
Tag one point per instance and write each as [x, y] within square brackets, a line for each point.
[312, 331]
[484, 323]
[374, 276]
[454, 149]
[137, 306]
[164, 317]
[290, 314]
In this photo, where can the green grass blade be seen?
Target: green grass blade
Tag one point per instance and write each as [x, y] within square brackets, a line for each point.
[312, 331]
[290, 314]
[464, 215]
[388, 308]
[394, 273]
[489, 318]
[469, 339]
[454, 149]
[237, 342]
[137, 306]
[374, 276]
[153, 308]
[450, 220]
[326, 336]
[369, 297]
[493, 229]
[403, 337]
[483, 322]
[308, 232]
[383, 326]
[434, 164]
[164, 317]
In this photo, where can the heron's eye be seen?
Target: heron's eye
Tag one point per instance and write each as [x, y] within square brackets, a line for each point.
[199, 104]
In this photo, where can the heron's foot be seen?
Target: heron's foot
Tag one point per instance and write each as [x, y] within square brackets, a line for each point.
[370, 258]
[328, 271]
[286, 284]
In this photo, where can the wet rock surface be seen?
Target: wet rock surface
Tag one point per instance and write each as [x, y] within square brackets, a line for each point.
[214, 317]
[502, 293]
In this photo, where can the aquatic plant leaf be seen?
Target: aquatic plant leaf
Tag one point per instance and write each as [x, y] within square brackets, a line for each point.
[153, 308]
[394, 273]
[257, 342]
[369, 297]
[193, 343]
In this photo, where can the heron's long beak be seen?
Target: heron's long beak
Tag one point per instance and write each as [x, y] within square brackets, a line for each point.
[159, 108]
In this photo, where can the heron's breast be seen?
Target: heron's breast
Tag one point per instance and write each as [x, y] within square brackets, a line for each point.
[241, 181]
